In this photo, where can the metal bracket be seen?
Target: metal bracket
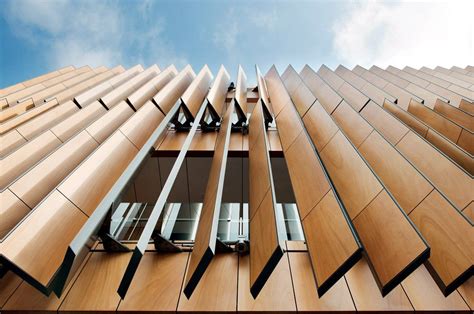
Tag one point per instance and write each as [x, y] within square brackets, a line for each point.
[215, 123]
[221, 247]
[111, 244]
[182, 126]
[164, 245]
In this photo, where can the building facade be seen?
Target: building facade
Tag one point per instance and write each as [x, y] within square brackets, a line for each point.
[158, 190]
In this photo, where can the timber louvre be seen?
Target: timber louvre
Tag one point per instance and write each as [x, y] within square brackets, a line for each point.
[379, 163]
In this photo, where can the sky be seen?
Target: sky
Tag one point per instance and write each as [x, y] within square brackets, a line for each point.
[38, 36]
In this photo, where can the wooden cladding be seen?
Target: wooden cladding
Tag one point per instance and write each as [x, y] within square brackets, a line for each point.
[322, 214]
[344, 166]
[205, 241]
[379, 163]
[265, 233]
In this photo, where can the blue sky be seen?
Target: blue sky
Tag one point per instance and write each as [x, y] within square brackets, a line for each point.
[37, 36]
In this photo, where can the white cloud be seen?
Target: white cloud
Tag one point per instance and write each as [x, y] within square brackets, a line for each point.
[240, 24]
[91, 32]
[407, 33]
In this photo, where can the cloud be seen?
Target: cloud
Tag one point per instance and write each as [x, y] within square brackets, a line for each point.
[239, 23]
[91, 32]
[407, 33]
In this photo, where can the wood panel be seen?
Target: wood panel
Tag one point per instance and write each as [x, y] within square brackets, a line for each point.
[353, 96]
[393, 86]
[166, 98]
[302, 97]
[289, 125]
[385, 232]
[78, 121]
[218, 92]
[12, 210]
[263, 93]
[376, 94]
[8, 284]
[13, 97]
[259, 170]
[469, 211]
[220, 282]
[467, 106]
[15, 122]
[332, 80]
[241, 90]
[412, 122]
[142, 124]
[451, 238]
[120, 93]
[92, 180]
[453, 151]
[278, 94]
[266, 250]
[65, 76]
[314, 197]
[28, 299]
[94, 93]
[35, 126]
[26, 156]
[370, 77]
[307, 176]
[328, 98]
[205, 241]
[456, 115]
[447, 78]
[403, 181]
[354, 126]
[157, 283]
[450, 179]
[14, 111]
[3, 104]
[10, 141]
[120, 79]
[354, 79]
[392, 129]
[427, 76]
[466, 141]
[45, 235]
[354, 181]
[366, 296]
[277, 295]
[101, 128]
[204, 142]
[437, 122]
[296, 246]
[34, 185]
[197, 91]
[94, 289]
[70, 92]
[447, 95]
[332, 245]
[425, 296]
[291, 79]
[11, 89]
[367, 88]
[157, 210]
[389, 76]
[466, 290]
[338, 298]
[319, 125]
